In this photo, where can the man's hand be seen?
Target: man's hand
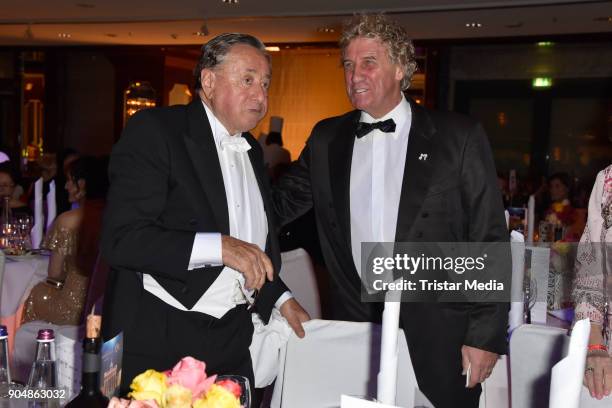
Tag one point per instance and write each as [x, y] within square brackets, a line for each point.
[247, 259]
[598, 374]
[295, 315]
[481, 363]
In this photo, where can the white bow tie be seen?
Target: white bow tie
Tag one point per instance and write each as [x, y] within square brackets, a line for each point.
[235, 143]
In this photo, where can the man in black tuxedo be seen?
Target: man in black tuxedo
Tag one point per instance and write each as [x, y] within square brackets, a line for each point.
[188, 231]
[392, 170]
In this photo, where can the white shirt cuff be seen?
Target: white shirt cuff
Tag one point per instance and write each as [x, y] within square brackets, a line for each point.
[283, 298]
[206, 250]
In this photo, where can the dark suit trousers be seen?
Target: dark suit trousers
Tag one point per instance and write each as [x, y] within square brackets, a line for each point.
[161, 335]
[435, 333]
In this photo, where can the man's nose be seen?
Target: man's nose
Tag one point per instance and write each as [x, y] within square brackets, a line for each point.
[260, 93]
[356, 74]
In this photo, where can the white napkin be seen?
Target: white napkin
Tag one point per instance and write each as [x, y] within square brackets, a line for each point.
[347, 401]
[515, 317]
[266, 345]
[51, 205]
[39, 222]
[567, 374]
[530, 218]
[387, 376]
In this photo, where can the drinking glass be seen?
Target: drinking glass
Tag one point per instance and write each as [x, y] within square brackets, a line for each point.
[243, 382]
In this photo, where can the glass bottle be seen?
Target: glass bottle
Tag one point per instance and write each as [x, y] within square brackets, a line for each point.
[90, 395]
[43, 376]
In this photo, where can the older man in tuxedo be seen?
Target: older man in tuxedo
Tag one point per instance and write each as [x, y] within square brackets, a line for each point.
[188, 231]
[392, 170]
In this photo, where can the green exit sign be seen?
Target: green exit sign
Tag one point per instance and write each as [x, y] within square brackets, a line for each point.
[542, 82]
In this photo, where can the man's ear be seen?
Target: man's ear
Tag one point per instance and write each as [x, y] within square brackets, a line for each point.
[399, 72]
[207, 80]
[81, 184]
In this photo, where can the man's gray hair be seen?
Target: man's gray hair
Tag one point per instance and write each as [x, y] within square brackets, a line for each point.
[390, 33]
[215, 50]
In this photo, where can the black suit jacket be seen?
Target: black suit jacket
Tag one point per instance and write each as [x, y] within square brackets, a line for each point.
[166, 185]
[451, 196]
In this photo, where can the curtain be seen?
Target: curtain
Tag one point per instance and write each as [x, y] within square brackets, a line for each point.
[307, 86]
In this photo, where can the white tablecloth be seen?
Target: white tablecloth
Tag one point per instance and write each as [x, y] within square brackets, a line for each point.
[21, 273]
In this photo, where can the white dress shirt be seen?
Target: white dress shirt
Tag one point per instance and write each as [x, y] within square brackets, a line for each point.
[247, 221]
[377, 171]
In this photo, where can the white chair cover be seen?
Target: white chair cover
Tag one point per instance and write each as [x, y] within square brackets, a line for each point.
[298, 274]
[534, 350]
[337, 358]
[495, 390]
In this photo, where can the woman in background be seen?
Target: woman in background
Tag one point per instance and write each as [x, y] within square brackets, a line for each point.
[593, 285]
[7, 189]
[73, 241]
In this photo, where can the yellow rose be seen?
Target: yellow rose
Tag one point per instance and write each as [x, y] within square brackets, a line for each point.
[177, 396]
[217, 397]
[148, 385]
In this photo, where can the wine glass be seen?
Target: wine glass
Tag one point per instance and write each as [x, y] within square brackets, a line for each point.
[243, 382]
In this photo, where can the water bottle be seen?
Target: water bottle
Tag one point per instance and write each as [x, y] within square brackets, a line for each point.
[42, 383]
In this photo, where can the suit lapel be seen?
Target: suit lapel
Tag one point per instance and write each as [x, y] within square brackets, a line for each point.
[340, 157]
[417, 170]
[203, 153]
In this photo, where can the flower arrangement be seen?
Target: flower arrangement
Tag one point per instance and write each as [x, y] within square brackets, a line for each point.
[186, 385]
[561, 213]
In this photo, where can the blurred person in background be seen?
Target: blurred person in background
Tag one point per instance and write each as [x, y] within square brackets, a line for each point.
[7, 189]
[73, 242]
[276, 157]
[560, 212]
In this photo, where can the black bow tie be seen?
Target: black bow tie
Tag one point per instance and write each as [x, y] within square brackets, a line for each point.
[387, 126]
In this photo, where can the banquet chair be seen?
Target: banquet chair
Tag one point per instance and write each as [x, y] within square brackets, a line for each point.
[336, 358]
[534, 350]
[297, 271]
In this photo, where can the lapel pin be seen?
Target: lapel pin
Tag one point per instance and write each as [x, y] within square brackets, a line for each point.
[423, 156]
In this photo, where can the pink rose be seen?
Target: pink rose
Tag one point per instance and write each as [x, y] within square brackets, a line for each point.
[118, 403]
[191, 374]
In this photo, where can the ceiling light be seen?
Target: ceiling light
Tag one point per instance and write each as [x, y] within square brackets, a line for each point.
[273, 49]
[473, 25]
[64, 35]
[199, 34]
[326, 30]
[230, 1]
[545, 44]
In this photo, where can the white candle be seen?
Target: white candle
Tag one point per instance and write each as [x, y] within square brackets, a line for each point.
[387, 377]
[530, 218]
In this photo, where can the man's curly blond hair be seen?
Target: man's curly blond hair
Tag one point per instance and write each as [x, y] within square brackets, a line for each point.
[390, 33]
